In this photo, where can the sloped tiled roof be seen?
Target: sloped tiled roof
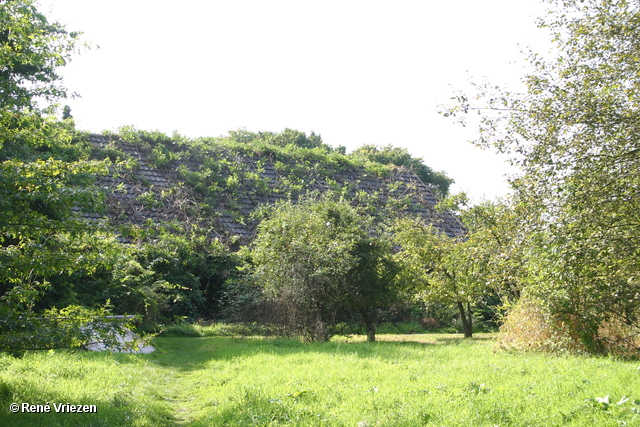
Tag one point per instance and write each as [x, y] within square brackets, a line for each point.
[146, 193]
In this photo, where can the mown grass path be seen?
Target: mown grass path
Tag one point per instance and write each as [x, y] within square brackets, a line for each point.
[412, 380]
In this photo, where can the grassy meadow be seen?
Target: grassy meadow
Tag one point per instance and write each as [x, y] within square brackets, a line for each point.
[402, 380]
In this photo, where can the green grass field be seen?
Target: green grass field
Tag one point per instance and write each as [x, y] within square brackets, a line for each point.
[410, 380]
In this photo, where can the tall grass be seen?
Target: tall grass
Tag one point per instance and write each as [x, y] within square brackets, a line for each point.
[443, 380]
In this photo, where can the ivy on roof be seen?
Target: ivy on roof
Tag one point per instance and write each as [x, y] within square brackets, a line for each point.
[219, 182]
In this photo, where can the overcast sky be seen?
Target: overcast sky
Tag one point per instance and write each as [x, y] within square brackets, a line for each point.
[355, 72]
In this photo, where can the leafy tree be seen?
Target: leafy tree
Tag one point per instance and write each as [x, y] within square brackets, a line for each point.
[476, 272]
[73, 326]
[315, 259]
[42, 175]
[373, 283]
[170, 274]
[390, 155]
[45, 181]
[66, 113]
[574, 133]
[32, 49]
[494, 228]
[439, 267]
[38, 182]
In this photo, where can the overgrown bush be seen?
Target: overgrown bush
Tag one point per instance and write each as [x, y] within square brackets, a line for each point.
[317, 259]
[168, 276]
[531, 325]
[22, 328]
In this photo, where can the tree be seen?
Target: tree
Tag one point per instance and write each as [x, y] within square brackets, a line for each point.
[373, 282]
[440, 268]
[45, 181]
[493, 228]
[315, 259]
[478, 271]
[575, 134]
[42, 177]
[66, 113]
[32, 49]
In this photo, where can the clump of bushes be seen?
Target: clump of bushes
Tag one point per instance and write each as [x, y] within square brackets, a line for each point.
[530, 325]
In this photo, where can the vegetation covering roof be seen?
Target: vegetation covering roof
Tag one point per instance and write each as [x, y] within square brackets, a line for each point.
[218, 183]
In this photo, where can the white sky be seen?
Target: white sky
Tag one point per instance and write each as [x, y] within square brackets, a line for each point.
[354, 71]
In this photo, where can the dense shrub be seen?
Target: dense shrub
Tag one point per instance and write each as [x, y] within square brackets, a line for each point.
[532, 325]
[315, 260]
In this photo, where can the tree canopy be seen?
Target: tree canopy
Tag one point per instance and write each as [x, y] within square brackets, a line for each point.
[45, 180]
[317, 258]
[574, 133]
[32, 49]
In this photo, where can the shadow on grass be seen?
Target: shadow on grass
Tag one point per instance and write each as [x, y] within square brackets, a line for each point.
[119, 410]
[438, 339]
[189, 354]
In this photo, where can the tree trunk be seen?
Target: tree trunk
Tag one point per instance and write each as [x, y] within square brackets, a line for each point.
[467, 325]
[469, 319]
[369, 321]
[371, 333]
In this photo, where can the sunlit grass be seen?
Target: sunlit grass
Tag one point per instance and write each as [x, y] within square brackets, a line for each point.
[403, 380]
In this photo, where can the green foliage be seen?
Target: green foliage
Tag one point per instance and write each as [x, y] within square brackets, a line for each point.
[32, 49]
[302, 254]
[146, 139]
[66, 113]
[573, 133]
[373, 282]
[225, 171]
[316, 258]
[46, 183]
[389, 155]
[28, 135]
[164, 277]
[40, 195]
[439, 267]
[284, 138]
[21, 328]
[476, 272]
